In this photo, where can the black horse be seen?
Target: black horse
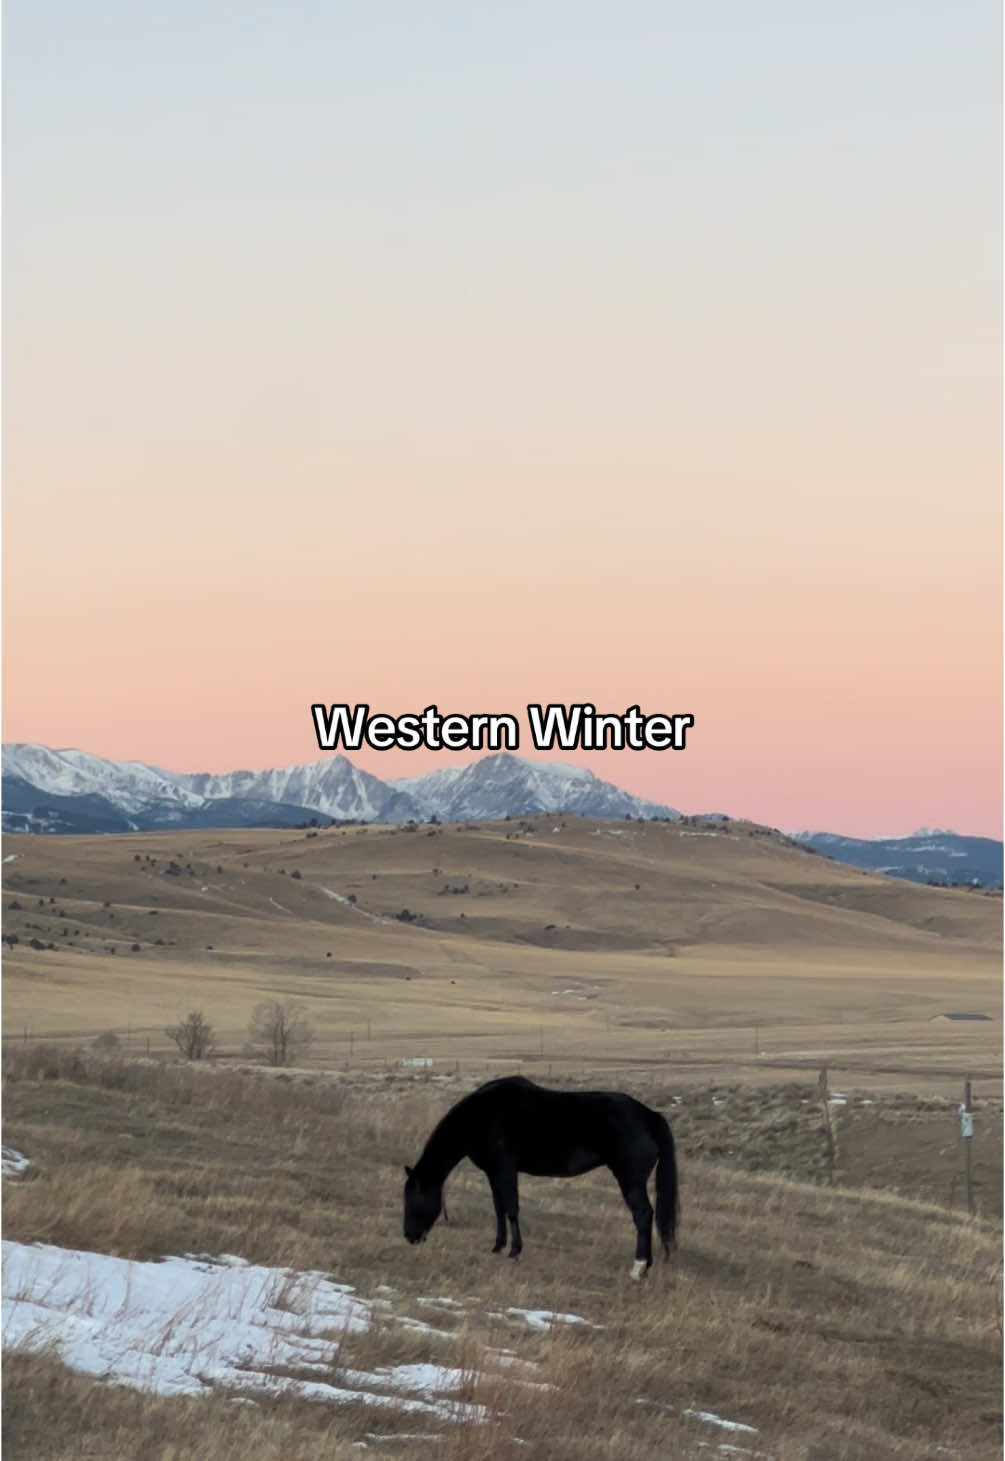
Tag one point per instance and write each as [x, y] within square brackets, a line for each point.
[512, 1125]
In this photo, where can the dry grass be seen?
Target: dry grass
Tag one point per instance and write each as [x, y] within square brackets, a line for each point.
[579, 945]
[842, 1324]
[51, 1414]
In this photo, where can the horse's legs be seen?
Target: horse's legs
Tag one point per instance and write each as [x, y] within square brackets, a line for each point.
[633, 1190]
[507, 1188]
[500, 1207]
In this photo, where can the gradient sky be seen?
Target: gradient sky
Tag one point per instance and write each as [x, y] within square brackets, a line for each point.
[478, 355]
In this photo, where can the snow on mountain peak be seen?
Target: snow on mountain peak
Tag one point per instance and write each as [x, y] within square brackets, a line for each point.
[498, 785]
[502, 784]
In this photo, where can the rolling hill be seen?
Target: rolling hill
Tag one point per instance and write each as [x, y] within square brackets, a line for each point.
[549, 937]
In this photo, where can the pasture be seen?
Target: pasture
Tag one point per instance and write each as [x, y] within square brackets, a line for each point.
[710, 974]
[562, 944]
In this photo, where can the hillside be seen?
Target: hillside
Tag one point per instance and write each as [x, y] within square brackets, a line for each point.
[795, 1322]
[542, 938]
[711, 972]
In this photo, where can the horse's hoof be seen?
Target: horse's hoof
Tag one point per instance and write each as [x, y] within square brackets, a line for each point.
[498, 1247]
[514, 1256]
[639, 1269]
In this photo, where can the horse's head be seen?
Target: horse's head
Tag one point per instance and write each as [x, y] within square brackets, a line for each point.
[422, 1206]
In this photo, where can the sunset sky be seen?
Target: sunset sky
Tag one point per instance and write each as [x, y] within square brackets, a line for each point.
[484, 354]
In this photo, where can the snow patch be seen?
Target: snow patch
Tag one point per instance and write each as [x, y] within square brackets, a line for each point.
[185, 1326]
[418, 1326]
[708, 1417]
[12, 1163]
[543, 1319]
[341, 898]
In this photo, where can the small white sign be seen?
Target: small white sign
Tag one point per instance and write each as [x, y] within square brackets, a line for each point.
[966, 1122]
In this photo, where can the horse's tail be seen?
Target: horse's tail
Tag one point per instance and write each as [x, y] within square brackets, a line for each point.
[667, 1201]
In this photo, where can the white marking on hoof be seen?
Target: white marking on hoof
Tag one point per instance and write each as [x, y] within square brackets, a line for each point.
[639, 1269]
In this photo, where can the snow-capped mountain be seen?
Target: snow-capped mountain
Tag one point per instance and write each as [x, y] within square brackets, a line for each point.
[131, 786]
[505, 785]
[927, 857]
[72, 791]
[334, 787]
[45, 790]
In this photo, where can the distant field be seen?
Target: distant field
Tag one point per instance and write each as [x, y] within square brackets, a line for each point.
[567, 945]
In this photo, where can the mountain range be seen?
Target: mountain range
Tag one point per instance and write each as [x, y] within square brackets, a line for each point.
[69, 791]
[926, 857]
[72, 791]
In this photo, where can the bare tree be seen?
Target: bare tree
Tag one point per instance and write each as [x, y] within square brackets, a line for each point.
[194, 1036]
[280, 1030]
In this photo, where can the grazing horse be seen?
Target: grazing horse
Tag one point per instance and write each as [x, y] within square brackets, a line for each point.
[511, 1125]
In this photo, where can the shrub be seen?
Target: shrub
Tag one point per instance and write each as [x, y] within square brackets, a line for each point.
[193, 1036]
[280, 1030]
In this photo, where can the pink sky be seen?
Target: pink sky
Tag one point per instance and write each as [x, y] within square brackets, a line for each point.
[477, 395]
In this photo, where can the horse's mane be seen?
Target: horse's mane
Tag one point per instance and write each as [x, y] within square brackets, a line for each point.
[445, 1146]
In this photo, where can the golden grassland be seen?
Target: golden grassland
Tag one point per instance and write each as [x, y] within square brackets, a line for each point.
[566, 943]
[840, 1323]
[711, 972]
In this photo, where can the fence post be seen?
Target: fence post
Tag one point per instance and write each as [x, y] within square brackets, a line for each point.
[831, 1145]
[967, 1133]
